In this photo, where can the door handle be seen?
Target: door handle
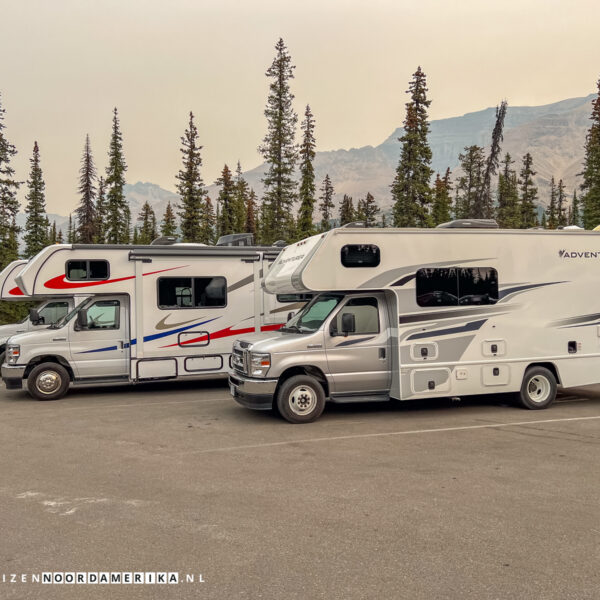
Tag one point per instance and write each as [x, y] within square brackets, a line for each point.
[381, 353]
[61, 339]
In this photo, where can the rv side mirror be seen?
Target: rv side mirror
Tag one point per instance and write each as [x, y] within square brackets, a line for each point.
[34, 316]
[290, 315]
[82, 319]
[348, 323]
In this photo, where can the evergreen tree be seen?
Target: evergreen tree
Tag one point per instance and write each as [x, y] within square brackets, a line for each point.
[240, 201]
[383, 223]
[346, 210]
[279, 150]
[552, 208]
[529, 193]
[207, 222]
[9, 205]
[147, 231]
[60, 237]
[591, 169]
[509, 208]
[371, 209]
[442, 199]
[305, 226]
[101, 229]
[484, 207]
[226, 202]
[561, 209]
[70, 231]
[326, 206]
[36, 226]
[251, 214]
[360, 213]
[86, 211]
[118, 212]
[136, 236]
[575, 215]
[410, 190]
[190, 185]
[168, 226]
[469, 183]
[544, 223]
[52, 237]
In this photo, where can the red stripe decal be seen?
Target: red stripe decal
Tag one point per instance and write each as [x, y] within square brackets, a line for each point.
[60, 282]
[226, 333]
[16, 291]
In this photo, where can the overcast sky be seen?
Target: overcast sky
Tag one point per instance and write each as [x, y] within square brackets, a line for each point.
[66, 63]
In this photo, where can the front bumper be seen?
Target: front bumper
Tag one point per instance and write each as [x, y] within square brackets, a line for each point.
[12, 375]
[252, 393]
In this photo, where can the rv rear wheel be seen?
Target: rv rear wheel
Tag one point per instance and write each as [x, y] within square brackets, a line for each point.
[48, 381]
[2, 358]
[538, 389]
[301, 399]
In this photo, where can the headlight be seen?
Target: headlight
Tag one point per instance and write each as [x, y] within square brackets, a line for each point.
[12, 353]
[259, 363]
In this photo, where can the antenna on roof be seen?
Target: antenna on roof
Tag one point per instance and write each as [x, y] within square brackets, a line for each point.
[469, 224]
[355, 224]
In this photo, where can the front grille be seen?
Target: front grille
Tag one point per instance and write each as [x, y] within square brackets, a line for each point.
[239, 360]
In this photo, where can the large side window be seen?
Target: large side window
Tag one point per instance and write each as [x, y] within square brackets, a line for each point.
[366, 316]
[457, 286]
[294, 298]
[360, 255]
[87, 270]
[53, 311]
[192, 292]
[103, 314]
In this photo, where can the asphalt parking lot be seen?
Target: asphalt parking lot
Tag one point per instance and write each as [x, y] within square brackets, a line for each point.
[476, 499]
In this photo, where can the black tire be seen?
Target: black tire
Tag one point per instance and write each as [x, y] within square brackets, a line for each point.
[48, 381]
[538, 389]
[2, 358]
[300, 399]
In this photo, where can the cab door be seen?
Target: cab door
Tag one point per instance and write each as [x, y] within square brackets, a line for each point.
[359, 362]
[101, 349]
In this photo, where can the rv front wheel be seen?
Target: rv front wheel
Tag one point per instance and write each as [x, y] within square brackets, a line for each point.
[301, 399]
[538, 389]
[48, 381]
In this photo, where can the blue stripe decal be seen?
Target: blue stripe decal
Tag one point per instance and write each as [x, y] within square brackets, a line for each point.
[148, 338]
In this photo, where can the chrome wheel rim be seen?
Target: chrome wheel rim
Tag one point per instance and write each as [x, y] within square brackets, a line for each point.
[538, 389]
[302, 400]
[48, 382]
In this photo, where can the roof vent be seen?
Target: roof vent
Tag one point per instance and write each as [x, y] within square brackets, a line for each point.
[355, 224]
[279, 244]
[469, 224]
[164, 240]
[236, 239]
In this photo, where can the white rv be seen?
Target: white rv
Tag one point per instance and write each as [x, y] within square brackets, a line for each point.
[48, 310]
[420, 313]
[152, 312]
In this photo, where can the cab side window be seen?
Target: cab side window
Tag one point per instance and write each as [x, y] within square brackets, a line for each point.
[53, 312]
[103, 314]
[366, 316]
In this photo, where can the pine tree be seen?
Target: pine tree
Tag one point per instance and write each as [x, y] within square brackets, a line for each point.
[60, 237]
[529, 193]
[36, 226]
[591, 169]
[509, 208]
[552, 208]
[484, 206]
[9, 205]
[561, 212]
[240, 201]
[383, 223]
[118, 212]
[544, 223]
[360, 213]
[411, 192]
[326, 206]
[100, 228]
[190, 185]
[442, 199]
[52, 237]
[251, 209]
[147, 231]
[207, 222]
[469, 183]
[226, 202]
[305, 227]
[86, 211]
[71, 231]
[136, 236]
[575, 215]
[371, 209]
[346, 210]
[168, 226]
[279, 150]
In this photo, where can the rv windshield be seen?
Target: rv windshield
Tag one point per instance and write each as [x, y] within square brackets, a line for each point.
[311, 317]
[62, 322]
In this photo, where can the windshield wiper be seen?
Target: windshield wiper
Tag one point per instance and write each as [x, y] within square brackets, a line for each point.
[291, 328]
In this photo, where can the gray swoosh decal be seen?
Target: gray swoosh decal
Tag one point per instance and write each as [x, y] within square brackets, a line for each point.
[472, 326]
[241, 283]
[524, 288]
[162, 325]
[488, 310]
[574, 320]
[351, 342]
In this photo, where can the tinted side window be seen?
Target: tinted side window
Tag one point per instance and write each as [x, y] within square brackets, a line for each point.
[192, 292]
[103, 314]
[210, 291]
[294, 297]
[366, 316]
[360, 255]
[457, 286]
[79, 270]
[53, 311]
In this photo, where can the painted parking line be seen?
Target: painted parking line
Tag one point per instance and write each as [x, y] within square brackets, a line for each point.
[389, 434]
